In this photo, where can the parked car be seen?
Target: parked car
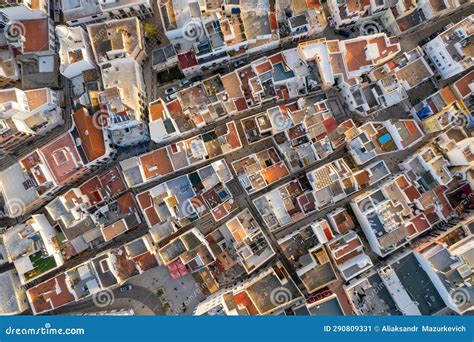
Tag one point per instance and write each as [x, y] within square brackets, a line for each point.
[343, 33]
[184, 83]
[220, 71]
[196, 79]
[171, 97]
[240, 63]
[171, 90]
[126, 288]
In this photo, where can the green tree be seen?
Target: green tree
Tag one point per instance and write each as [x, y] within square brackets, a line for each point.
[150, 30]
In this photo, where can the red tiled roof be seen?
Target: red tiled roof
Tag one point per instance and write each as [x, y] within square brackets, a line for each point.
[156, 163]
[412, 193]
[62, 158]
[146, 261]
[144, 199]
[275, 59]
[462, 85]
[355, 55]
[152, 216]
[243, 299]
[233, 135]
[241, 104]
[273, 21]
[125, 202]
[114, 230]
[36, 34]
[330, 124]
[113, 181]
[50, 294]
[91, 190]
[263, 68]
[91, 134]
[187, 60]
[420, 223]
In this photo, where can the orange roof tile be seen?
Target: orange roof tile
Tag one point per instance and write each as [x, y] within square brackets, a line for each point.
[156, 163]
[50, 294]
[152, 216]
[36, 34]
[274, 173]
[355, 55]
[273, 21]
[126, 202]
[36, 98]
[62, 158]
[275, 59]
[114, 230]
[91, 134]
[144, 199]
[157, 111]
[447, 95]
[462, 85]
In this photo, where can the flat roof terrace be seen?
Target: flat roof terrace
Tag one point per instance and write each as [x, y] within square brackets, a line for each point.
[418, 285]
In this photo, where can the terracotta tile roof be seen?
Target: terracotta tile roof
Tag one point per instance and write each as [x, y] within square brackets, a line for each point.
[275, 59]
[174, 108]
[114, 230]
[91, 190]
[144, 199]
[156, 163]
[50, 294]
[36, 98]
[157, 111]
[233, 135]
[420, 223]
[146, 261]
[262, 68]
[125, 202]
[36, 35]
[91, 134]
[187, 60]
[447, 95]
[274, 173]
[362, 178]
[355, 55]
[113, 181]
[241, 104]
[8, 95]
[462, 85]
[273, 21]
[152, 216]
[62, 158]
[412, 193]
[356, 51]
